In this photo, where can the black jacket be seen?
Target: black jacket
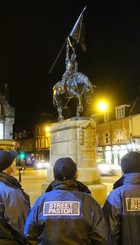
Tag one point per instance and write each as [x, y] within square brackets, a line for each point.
[14, 209]
[122, 210]
[66, 216]
[80, 186]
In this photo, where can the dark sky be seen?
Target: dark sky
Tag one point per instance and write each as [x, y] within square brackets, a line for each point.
[32, 35]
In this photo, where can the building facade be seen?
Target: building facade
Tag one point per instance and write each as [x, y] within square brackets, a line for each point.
[118, 132]
[7, 119]
[35, 144]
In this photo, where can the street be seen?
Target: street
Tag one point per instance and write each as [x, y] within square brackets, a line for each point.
[32, 180]
[109, 181]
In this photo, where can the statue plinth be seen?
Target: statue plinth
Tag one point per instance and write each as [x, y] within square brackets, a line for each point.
[77, 139]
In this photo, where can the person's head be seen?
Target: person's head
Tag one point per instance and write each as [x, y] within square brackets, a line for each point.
[130, 162]
[64, 169]
[8, 161]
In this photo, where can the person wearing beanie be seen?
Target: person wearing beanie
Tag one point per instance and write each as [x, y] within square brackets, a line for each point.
[14, 202]
[66, 213]
[122, 206]
[59, 174]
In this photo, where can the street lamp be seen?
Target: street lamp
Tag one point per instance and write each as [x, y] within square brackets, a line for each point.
[47, 129]
[103, 106]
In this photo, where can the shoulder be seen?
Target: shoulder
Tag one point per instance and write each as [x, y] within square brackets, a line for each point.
[82, 187]
[4, 187]
[90, 201]
[115, 197]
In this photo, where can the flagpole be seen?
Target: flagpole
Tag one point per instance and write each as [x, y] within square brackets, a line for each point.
[57, 56]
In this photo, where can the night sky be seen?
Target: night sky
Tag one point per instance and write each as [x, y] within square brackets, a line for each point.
[32, 35]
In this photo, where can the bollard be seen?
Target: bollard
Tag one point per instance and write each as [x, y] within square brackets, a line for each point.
[19, 171]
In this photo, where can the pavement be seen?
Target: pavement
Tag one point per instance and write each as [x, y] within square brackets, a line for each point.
[32, 181]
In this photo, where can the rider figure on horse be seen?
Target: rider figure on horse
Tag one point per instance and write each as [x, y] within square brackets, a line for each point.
[71, 69]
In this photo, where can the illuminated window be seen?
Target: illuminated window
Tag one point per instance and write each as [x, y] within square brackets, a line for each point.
[119, 135]
[121, 111]
[42, 143]
[1, 130]
[0, 110]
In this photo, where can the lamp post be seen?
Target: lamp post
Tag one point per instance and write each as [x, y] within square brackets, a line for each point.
[110, 129]
[47, 130]
[103, 106]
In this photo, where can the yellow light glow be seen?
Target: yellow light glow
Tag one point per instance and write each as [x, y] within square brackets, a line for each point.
[102, 106]
[47, 129]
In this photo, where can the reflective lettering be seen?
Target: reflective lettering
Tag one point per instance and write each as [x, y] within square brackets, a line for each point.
[61, 208]
[133, 204]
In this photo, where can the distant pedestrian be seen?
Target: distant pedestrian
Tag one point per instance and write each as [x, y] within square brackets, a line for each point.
[122, 207]
[14, 202]
[66, 214]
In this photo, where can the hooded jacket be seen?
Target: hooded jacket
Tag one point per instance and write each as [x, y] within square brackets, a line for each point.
[14, 209]
[122, 210]
[67, 216]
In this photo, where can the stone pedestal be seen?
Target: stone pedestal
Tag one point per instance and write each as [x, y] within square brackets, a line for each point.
[76, 139]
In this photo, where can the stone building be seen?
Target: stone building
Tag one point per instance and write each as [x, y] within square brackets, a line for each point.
[36, 142]
[7, 119]
[118, 132]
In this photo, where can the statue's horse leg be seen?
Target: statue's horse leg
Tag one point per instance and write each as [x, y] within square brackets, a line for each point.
[58, 100]
[79, 103]
[60, 116]
[79, 106]
[59, 106]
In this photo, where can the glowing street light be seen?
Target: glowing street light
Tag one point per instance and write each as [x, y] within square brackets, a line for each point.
[47, 129]
[102, 106]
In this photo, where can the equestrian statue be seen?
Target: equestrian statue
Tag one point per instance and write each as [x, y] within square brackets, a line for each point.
[74, 84]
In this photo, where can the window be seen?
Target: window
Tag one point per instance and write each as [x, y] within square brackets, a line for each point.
[119, 135]
[0, 110]
[120, 111]
[106, 138]
[1, 131]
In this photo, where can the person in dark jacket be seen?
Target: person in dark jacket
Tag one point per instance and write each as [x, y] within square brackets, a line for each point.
[122, 206]
[65, 215]
[14, 202]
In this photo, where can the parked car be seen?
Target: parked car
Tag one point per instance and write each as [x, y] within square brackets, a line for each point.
[41, 164]
[108, 168]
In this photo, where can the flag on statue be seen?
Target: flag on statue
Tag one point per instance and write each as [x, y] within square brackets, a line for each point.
[77, 34]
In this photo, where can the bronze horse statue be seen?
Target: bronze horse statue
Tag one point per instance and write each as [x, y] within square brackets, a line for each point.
[77, 86]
